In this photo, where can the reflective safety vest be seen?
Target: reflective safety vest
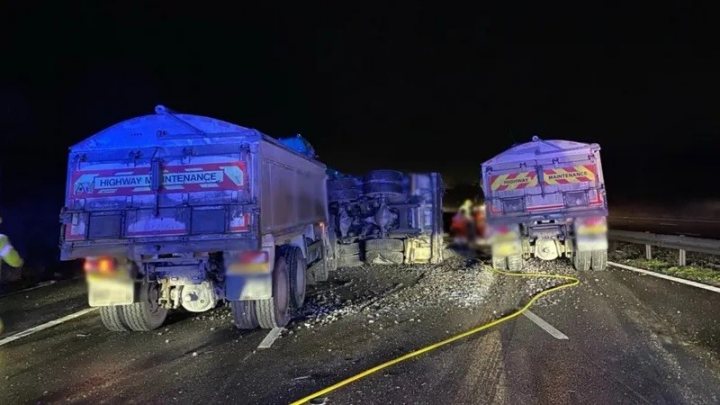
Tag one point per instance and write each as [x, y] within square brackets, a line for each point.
[8, 254]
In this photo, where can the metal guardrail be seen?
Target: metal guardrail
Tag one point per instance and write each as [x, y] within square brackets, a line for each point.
[682, 243]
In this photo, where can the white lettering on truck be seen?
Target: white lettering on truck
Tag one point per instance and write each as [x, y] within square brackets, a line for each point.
[204, 177]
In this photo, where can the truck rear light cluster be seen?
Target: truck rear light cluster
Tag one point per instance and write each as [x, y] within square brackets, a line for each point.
[101, 265]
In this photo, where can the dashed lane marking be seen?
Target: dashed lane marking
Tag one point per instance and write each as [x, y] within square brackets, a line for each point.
[545, 326]
[270, 338]
[45, 325]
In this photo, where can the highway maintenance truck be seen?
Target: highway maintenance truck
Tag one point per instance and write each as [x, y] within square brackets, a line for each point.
[175, 210]
[546, 199]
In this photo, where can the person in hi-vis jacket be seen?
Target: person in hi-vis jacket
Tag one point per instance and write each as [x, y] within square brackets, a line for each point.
[8, 255]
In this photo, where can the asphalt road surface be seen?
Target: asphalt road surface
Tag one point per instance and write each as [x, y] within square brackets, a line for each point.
[629, 339]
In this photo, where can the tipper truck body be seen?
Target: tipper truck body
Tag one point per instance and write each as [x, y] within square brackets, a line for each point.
[546, 199]
[175, 210]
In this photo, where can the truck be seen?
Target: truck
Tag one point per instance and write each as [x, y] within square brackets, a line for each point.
[172, 211]
[386, 217]
[546, 199]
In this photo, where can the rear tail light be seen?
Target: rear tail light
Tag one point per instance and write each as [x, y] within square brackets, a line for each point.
[502, 229]
[592, 221]
[100, 265]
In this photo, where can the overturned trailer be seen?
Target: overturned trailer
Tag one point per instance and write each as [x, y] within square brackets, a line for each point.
[386, 217]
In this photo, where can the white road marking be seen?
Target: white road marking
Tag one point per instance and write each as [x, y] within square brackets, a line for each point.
[545, 326]
[40, 285]
[270, 338]
[666, 277]
[44, 326]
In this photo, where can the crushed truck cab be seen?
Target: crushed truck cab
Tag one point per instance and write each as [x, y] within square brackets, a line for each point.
[175, 210]
[546, 199]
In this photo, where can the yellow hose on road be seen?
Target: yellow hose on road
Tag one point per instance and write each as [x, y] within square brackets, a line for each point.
[572, 281]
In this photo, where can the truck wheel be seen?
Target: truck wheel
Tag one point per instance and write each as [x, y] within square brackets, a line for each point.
[296, 266]
[499, 263]
[599, 260]
[388, 183]
[111, 317]
[349, 249]
[147, 314]
[515, 263]
[384, 257]
[318, 272]
[391, 245]
[350, 261]
[581, 260]
[275, 312]
[244, 314]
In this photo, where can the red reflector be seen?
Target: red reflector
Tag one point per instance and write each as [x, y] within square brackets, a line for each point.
[104, 265]
[591, 221]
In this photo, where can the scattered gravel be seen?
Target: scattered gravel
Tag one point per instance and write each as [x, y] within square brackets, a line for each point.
[382, 290]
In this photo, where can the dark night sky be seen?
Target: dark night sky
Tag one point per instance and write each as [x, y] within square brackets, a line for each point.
[435, 87]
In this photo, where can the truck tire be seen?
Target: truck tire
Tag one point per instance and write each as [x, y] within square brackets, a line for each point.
[275, 312]
[298, 281]
[349, 249]
[499, 263]
[111, 317]
[318, 272]
[387, 176]
[581, 261]
[391, 245]
[384, 257]
[350, 261]
[515, 262]
[598, 260]
[388, 183]
[244, 315]
[147, 314]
